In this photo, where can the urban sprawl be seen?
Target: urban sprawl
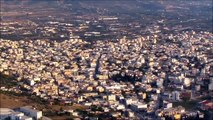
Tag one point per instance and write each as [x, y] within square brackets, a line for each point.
[106, 60]
[148, 77]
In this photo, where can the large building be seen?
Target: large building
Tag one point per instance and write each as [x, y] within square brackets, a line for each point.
[28, 110]
[6, 113]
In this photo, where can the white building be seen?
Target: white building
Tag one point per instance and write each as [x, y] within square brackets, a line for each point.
[129, 101]
[187, 82]
[167, 104]
[112, 98]
[139, 106]
[6, 113]
[28, 110]
[120, 107]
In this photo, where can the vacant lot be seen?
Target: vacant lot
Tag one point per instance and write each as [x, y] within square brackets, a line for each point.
[11, 101]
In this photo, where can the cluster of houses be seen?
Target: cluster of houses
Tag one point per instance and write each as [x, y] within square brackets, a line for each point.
[127, 78]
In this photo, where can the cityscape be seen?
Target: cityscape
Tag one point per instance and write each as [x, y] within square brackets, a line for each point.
[106, 60]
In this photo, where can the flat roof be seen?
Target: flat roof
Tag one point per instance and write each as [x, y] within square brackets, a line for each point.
[25, 117]
[6, 111]
[30, 108]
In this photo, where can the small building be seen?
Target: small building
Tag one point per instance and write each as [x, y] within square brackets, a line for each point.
[112, 98]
